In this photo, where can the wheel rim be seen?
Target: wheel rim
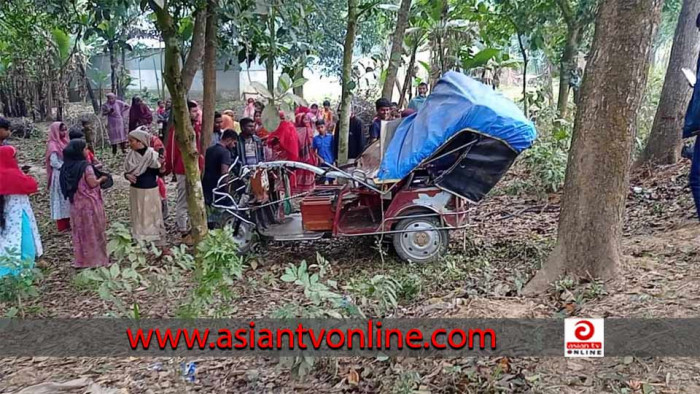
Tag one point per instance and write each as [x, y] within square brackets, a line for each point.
[422, 241]
[243, 236]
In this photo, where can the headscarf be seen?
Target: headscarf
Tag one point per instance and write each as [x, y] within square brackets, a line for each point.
[74, 165]
[139, 115]
[138, 162]
[286, 136]
[299, 115]
[56, 144]
[226, 122]
[14, 181]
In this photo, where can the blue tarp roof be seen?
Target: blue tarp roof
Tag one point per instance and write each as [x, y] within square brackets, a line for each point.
[456, 103]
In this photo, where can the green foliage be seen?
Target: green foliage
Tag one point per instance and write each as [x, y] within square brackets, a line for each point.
[219, 267]
[380, 291]
[546, 160]
[282, 97]
[122, 248]
[112, 281]
[20, 287]
[322, 299]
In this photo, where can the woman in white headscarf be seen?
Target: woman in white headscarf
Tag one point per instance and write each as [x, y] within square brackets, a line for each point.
[141, 169]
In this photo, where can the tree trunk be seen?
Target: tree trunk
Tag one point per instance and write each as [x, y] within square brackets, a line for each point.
[597, 174]
[523, 52]
[114, 66]
[184, 132]
[122, 81]
[196, 53]
[396, 49]
[664, 144]
[408, 81]
[270, 62]
[548, 82]
[568, 63]
[298, 74]
[209, 74]
[346, 80]
[88, 87]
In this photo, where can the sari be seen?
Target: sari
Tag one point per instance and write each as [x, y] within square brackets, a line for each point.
[139, 115]
[306, 180]
[87, 209]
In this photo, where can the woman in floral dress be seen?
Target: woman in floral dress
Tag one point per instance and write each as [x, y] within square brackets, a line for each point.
[19, 234]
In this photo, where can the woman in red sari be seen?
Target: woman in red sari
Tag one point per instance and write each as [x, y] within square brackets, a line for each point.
[139, 114]
[306, 180]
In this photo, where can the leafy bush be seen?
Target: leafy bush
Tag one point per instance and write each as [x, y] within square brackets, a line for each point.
[380, 292]
[220, 265]
[546, 160]
[111, 281]
[21, 287]
[218, 253]
[321, 301]
[121, 246]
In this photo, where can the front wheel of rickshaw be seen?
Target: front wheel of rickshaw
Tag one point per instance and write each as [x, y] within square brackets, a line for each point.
[420, 241]
[243, 233]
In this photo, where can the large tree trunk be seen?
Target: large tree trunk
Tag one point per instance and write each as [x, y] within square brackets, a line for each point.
[597, 174]
[184, 132]
[664, 145]
[346, 80]
[209, 74]
[568, 63]
[408, 81]
[396, 49]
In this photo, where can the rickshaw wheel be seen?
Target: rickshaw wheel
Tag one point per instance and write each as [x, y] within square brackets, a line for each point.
[244, 236]
[421, 243]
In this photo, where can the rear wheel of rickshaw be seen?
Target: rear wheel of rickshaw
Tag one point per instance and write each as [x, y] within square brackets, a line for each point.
[243, 233]
[421, 242]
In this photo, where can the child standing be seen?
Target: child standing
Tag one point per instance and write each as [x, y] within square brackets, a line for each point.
[323, 146]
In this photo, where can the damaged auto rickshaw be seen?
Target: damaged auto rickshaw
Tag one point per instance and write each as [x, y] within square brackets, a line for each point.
[413, 185]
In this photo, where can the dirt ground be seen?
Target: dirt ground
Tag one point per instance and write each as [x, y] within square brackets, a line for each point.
[511, 237]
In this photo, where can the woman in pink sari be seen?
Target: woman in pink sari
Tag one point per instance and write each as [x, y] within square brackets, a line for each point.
[306, 180]
[80, 185]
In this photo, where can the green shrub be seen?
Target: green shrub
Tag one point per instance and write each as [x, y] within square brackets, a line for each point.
[21, 287]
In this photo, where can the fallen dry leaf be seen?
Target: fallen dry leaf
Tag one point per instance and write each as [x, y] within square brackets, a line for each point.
[353, 377]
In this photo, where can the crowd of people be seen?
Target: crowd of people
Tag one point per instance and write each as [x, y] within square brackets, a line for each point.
[75, 178]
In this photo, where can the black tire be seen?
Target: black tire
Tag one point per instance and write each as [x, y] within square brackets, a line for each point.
[243, 233]
[420, 246]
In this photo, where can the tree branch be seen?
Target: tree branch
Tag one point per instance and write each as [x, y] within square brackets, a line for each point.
[566, 11]
[194, 57]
